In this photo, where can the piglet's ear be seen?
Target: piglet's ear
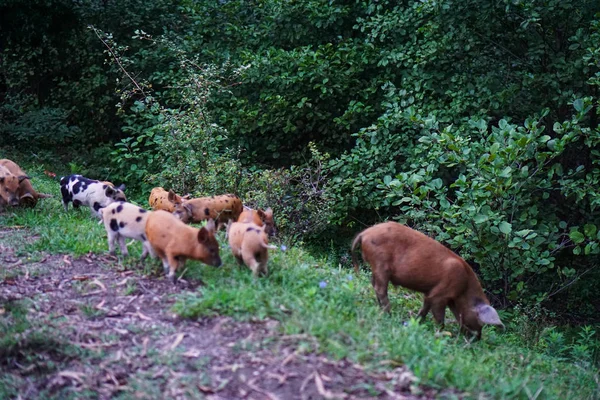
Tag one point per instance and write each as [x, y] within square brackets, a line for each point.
[488, 315]
[121, 187]
[269, 212]
[23, 177]
[261, 213]
[171, 196]
[202, 235]
[109, 191]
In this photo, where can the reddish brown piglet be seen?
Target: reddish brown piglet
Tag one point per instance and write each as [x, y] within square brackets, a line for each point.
[259, 217]
[9, 187]
[408, 258]
[160, 199]
[174, 242]
[27, 195]
[220, 208]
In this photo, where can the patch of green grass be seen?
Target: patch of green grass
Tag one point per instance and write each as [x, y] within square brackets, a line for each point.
[55, 230]
[91, 312]
[340, 310]
[131, 288]
[35, 346]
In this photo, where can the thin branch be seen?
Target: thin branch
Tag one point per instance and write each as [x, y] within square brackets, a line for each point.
[118, 61]
[570, 283]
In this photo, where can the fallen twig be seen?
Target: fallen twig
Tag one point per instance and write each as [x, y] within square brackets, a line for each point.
[326, 393]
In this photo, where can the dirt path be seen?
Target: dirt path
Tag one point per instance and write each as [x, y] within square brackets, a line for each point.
[101, 332]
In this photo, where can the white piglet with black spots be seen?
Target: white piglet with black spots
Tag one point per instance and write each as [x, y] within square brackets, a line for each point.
[125, 220]
[89, 192]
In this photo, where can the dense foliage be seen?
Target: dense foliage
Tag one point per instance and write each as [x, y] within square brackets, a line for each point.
[474, 121]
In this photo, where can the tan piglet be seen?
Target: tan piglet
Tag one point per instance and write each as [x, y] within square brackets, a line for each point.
[249, 245]
[174, 242]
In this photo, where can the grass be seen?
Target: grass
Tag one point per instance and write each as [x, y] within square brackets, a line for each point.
[338, 314]
[26, 342]
[345, 320]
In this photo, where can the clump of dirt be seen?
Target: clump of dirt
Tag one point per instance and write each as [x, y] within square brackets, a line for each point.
[109, 333]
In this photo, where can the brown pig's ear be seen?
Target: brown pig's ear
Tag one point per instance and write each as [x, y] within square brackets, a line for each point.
[23, 177]
[488, 315]
[202, 235]
[269, 212]
[171, 196]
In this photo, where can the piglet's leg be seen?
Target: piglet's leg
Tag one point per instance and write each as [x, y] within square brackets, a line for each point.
[123, 246]
[249, 260]
[144, 252]
[264, 270]
[165, 265]
[173, 264]
[148, 250]
[111, 242]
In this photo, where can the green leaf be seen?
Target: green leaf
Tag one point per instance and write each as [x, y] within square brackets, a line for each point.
[545, 138]
[437, 183]
[523, 232]
[577, 237]
[505, 227]
[578, 104]
[506, 172]
[589, 230]
[558, 128]
[563, 225]
[494, 148]
[480, 218]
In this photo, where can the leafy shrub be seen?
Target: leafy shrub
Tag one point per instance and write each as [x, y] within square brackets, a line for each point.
[39, 128]
[182, 149]
[583, 348]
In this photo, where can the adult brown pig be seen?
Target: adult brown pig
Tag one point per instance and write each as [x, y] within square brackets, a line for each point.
[408, 258]
[26, 193]
[220, 208]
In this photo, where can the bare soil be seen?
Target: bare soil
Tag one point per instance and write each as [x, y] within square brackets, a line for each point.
[101, 331]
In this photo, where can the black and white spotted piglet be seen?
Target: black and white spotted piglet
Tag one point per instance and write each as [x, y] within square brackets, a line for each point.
[125, 220]
[88, 192]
